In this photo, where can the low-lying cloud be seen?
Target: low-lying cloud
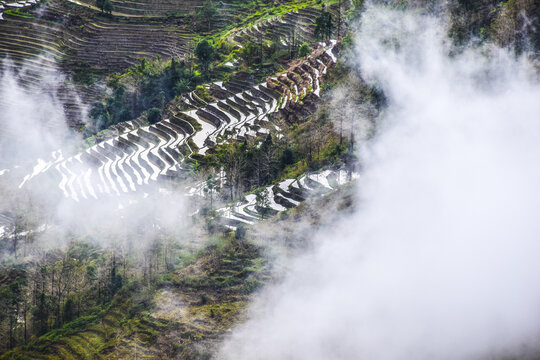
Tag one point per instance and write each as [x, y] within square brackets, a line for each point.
[442, 258]
[32, 119]
[33, 126]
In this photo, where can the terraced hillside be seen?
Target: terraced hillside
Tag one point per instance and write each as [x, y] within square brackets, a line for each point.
[176, 323]
[287, 194]
[40, 40]
[297, 25]
[153, 8]
[59, 31]
[138, 155]
[50, 36]
[42, 33]
[15, 5]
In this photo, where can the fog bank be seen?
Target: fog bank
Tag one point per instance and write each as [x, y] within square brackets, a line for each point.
[442, 259]
[34, 135]
[32, 119]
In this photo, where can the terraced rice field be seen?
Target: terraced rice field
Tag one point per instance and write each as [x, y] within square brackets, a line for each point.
[15, 5]
[227, 11]
[286, 195]
[49, 37]
[138, 155]
[58, 31]
[299, 24]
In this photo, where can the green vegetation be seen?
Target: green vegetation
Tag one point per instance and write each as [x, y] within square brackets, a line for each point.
[183, 292]
[205, 53]
[48, 295]
[105, 6]
[119, 309]
[324, 26]
[207, 15]
[154, 115]
[108, 7]
[86, 301]
[230, 265]
[20, 13]
[154, 83]
[304, 50]
[151, 85]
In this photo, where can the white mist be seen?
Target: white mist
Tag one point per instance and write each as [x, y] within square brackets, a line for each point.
[442, 259]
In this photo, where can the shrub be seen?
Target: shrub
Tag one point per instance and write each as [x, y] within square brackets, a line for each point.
[154, 115]
[287, 157]
[204, 299]
[304, 50]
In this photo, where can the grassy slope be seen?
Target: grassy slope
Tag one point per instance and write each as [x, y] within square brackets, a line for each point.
[199, 303]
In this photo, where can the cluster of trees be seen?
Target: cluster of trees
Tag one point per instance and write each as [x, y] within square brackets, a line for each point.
[151, 89]
[324, 25]
[55, 290]
[206, 16]
[252, 165]
[257, 53]
[247, 165]
[105, 6]
[65, 289]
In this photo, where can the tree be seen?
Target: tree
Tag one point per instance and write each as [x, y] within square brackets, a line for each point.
[263, 202]
[249, 53]
[287, 157]
[231, 159]
[240, 232]
[100, 4]
[304, 50]
[207, 14]
[267, 161]
[205, 54]
[260, 43]
[11, 297]
[154, 115]
[40, 313]
[69, 311]
[190, 63]
[292, 44]
[211, 183]
[108, 7]
[323, 25]
[339, 19]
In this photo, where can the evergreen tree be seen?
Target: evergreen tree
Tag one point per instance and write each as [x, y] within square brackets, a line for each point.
[263, 202]
[323, 26]
[108, 7]
[100, 4]
[205, 54]
[207, 14]
[68, 310]
[154, 115]
[211, 184]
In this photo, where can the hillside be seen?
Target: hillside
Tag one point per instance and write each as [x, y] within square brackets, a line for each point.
[178, 178]
[156, 120]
